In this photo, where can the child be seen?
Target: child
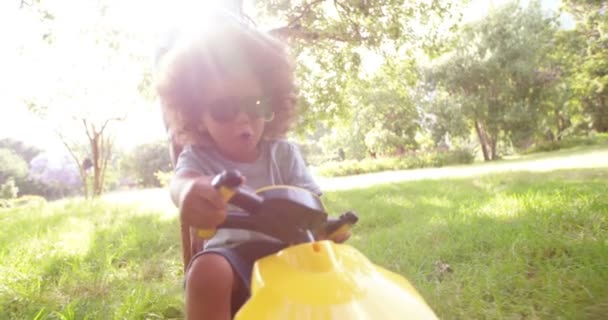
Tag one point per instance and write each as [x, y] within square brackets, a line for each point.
[229, 98]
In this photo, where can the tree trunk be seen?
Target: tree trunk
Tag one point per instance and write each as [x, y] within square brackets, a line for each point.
[106, 147]
[493, 146]
[83, 177]
[81, 170]
[100, 151]
[483, 141]
[96, 163]
[563, 123]
[600, 117]
[492, 140]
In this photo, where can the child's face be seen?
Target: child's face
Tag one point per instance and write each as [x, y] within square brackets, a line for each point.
[235, 117]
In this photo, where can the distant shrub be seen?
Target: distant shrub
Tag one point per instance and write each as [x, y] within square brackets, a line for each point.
[570, 142]
[5, 204]
[145, 161]
[413, 161]
[163, 177]
[459, 156]
[9, 189]
[28, 200]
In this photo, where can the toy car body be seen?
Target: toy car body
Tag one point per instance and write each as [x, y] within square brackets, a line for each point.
[313, 278]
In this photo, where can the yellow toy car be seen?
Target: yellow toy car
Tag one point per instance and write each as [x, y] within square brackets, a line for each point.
[312, 278]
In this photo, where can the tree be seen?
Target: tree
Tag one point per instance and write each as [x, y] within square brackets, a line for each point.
[565, 114]
[87, 91]
[591, 74]
[14, 159]
[12, 167]
[146, 160]
[348, 137]
[383, 118]
[57, 175]
[498, 71]
[388, 112]
[8, 189]
[26, 152]
[443, 114]
[100, 148]
[330, 40]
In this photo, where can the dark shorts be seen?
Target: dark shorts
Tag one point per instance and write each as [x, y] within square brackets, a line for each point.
[242, 259]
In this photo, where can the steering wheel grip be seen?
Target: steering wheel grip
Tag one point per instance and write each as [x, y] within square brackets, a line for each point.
[228, 185]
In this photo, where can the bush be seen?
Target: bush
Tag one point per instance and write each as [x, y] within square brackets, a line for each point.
[145, 161]
[28, 200]
[163, 177]
[12, 166]
[414, 161]
[5, 204]
[570, 142]
[459, 156]
[52, 176]
[9, 190]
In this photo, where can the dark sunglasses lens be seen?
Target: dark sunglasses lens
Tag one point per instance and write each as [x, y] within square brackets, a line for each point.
[228, 109]
[268, 115]
[261, 109]
[223, 111]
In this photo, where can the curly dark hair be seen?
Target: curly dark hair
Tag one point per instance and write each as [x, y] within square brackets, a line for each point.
[196, 59]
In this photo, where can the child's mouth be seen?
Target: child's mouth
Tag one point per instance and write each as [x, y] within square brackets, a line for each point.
[245, 135]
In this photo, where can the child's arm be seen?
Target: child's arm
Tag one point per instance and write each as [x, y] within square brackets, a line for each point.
[200, 205]
[190, 194]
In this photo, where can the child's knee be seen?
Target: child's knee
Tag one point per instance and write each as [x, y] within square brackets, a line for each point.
[210, 272]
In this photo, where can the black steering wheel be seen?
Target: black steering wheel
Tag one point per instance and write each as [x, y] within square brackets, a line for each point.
[290, 214]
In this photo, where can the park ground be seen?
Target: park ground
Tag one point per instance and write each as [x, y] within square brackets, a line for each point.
[523, 238]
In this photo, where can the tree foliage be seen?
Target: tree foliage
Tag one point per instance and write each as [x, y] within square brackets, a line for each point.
[25, 151]
[331, 41]
[510, 78]
[498, 71]
[12, 166]
[145, 161]
[386, 108]
[587, 46]
[8, 189]
[86, 92]
[55, 176]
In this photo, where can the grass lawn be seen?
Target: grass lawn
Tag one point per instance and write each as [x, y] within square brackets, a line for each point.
[501, 246]
[519, 245]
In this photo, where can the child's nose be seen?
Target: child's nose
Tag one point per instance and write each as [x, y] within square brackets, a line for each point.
[243, 117]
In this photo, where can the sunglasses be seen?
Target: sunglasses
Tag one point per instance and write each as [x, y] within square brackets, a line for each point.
[227, 109]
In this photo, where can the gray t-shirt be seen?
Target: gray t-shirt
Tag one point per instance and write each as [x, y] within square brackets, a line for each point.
[279, 163]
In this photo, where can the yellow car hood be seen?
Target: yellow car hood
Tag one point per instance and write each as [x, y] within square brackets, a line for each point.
[324, 280]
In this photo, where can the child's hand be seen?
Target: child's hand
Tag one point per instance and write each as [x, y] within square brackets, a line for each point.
[340, 238]
[201, 205]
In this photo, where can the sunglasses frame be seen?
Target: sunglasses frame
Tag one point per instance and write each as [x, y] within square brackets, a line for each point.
[227, 109]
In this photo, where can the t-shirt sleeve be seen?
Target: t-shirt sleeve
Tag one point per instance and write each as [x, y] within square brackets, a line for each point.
[297, 173]
[189, 161]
